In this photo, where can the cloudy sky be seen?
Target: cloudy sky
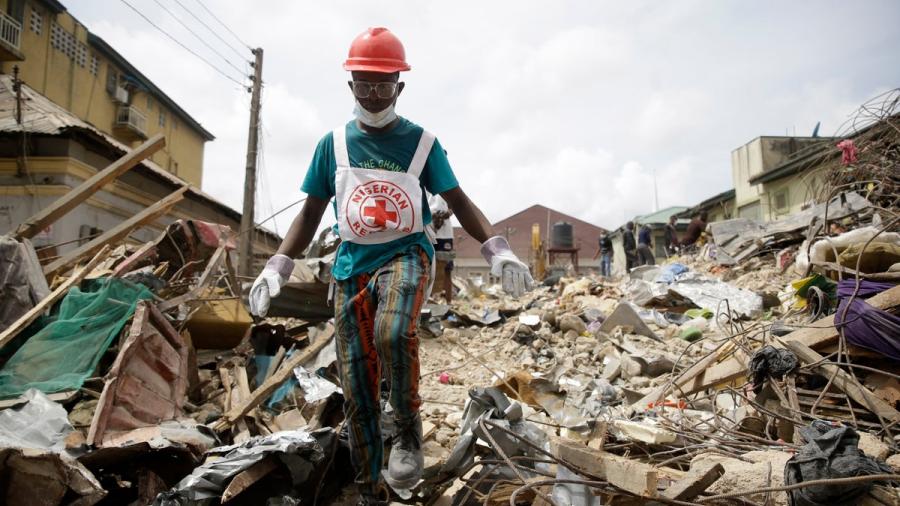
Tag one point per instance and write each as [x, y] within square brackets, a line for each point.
[573, 105]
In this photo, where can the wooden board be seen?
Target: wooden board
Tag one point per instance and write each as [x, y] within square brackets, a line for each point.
[248, 477]
[630, 475]
[117, 233]
[695, 483]
[30, 227]
[270, 385]
[845, 382]
[817, 334]
[13, 330]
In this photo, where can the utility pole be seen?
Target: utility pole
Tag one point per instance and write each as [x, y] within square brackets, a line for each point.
[248, 230]
[20, 158]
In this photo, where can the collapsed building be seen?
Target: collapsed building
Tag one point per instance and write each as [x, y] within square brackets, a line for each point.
[760, 369]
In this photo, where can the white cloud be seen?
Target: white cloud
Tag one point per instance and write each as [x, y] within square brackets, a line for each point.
[571, 105]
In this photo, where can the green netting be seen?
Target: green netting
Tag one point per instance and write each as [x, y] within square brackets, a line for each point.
[63, 354]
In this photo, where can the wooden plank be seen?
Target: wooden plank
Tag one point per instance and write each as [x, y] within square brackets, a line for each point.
[689, 374]
[118, 232]
[13, 330]
[630, 475]
[695, 483]
[201, 284]
[270, 385]
[818, 334]
[276, 361]
[30, 227]
[248, 477]
[845, 382]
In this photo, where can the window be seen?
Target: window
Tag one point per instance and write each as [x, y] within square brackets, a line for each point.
[112, 80]
[780, 200]
[81, 54]
[95, 65]
[162, 118]
[174, 124]
[37, 21]
[149, 103]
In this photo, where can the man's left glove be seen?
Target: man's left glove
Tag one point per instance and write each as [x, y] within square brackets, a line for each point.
[268, 285]
[513, 273]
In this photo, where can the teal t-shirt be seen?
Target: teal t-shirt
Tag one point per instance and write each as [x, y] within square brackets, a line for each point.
[393, 151]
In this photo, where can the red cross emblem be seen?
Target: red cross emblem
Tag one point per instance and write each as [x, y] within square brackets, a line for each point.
[379, 213]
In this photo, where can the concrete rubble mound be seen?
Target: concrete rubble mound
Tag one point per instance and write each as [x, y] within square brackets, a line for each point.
[763, 367]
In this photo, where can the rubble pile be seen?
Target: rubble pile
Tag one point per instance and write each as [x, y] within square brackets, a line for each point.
[762, 369]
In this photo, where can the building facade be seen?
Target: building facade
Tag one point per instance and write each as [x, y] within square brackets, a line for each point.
[60, 58]
[777, 198]
[518, 231]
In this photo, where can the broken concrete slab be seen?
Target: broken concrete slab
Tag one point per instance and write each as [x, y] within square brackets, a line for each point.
[625, 316]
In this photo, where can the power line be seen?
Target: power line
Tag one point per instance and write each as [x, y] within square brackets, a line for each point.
[201, 39]
[223, 24]
[209, 28]
[204, 60]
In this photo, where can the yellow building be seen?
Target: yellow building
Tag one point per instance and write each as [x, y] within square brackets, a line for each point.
[59, 58]
[765, 192]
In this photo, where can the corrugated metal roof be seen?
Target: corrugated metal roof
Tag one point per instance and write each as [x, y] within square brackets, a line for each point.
[40, 115]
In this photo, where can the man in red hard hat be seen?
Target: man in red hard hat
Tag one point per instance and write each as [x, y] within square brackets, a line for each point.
[378, 168]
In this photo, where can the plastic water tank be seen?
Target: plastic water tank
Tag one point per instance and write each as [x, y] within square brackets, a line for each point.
[561, 235]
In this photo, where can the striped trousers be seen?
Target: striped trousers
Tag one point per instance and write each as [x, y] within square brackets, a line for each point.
[376, 317]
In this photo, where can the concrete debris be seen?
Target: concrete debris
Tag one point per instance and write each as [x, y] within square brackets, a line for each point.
[626, 389]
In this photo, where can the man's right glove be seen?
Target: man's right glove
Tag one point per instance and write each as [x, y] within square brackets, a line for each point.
[513, 273]
[276, 273]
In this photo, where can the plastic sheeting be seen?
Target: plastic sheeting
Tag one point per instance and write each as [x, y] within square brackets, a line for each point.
[830, 452]
[39, 423]
[713, 294]
[22, 282]
[315, 388]
[65, 352]
[865, 325]
[300, 451]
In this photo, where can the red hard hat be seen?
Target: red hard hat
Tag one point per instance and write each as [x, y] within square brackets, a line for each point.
[377, 50]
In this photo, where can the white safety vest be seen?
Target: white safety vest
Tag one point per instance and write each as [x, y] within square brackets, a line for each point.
[376, 206]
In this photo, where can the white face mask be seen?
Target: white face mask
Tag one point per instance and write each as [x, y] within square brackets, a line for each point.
[378, 119]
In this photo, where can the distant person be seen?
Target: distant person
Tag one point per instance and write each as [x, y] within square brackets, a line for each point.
[629, 246]
[443, 247]
[671, 237]
[645, 246]
[694, 230]
[605, 252]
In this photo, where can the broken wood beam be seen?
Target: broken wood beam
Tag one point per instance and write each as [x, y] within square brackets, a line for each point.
[202, 282]
[815, 335]
[119, 232]
[248, 477]
[695, 483]
[270, 385]
[627, 474]
[13, 330]
[845, 382]
[30, 227]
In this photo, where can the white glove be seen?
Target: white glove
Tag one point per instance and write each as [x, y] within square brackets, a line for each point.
[513, 273]
[276, 273]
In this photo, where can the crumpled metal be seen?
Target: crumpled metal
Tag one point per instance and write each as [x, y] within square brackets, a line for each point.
[315, 388]
[299, 450]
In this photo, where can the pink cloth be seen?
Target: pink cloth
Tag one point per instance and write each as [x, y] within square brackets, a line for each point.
[848, 151]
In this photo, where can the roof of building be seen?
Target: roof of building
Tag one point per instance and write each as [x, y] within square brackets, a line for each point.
[140, 79]
[798, 161]
[660, 217]
[719, 198]
[517, 228]
[40, 115]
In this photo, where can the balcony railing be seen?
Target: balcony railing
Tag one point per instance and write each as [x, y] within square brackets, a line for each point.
[10, 30]
[132, 119]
